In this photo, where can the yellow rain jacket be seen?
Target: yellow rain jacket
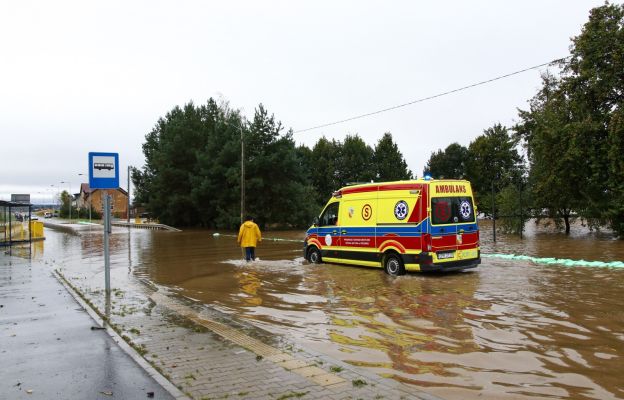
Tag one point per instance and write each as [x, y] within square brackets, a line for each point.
[249, 234]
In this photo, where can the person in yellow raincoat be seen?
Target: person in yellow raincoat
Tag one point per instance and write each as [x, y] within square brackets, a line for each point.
[248, 237]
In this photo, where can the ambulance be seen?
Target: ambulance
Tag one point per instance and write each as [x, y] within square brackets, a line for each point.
[416, 225]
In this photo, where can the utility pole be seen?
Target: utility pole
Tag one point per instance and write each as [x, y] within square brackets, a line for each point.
[493, 214]
[88, 194]
[242, 138]
[521, 211]
[58, 196]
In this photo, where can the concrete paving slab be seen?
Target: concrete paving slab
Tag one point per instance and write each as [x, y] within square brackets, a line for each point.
[48, 348]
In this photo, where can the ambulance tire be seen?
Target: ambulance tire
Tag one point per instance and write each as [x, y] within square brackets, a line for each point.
[393, 265]
[314, 255]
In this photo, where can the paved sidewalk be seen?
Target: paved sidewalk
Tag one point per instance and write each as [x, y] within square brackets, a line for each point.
[208, 355]
[48, 349]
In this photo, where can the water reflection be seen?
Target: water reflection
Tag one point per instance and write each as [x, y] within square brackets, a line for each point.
[507, 329]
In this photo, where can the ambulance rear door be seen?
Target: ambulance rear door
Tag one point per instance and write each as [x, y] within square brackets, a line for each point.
[449, 216]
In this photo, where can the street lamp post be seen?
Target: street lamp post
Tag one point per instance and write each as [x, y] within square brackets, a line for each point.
[58, 195]
[48, 190]
[70, 198]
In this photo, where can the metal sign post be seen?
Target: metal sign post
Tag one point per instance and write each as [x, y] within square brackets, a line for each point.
[107, 231]
[104, 174]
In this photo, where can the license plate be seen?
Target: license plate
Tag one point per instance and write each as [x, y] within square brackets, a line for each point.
[445, 255]
[468, 254]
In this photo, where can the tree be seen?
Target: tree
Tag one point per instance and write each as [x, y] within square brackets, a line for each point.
[217, 177]
[334, 164]
[595, 71]
[593, 79]
[192, 175]
[65, 198]
[356, 161]
[278, 191]
[615, 209]
[450, 163]
[548, 130]
[389, 162]
[572, 130]
[171, 151]
[514, 208]
[493, 160]
[325, 173]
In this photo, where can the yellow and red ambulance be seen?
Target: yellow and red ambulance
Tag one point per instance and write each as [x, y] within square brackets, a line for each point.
[417, 225]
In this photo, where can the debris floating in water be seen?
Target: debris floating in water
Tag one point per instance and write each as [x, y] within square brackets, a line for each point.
[216, 234]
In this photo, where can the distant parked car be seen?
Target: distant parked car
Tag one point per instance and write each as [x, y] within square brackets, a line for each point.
[47, 215]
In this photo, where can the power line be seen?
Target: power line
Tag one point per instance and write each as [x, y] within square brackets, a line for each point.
[431, 97]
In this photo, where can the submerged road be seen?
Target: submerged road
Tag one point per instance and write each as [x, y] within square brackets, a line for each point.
[512, 328]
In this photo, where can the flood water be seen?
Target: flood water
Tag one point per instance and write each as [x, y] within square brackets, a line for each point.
[508, 329]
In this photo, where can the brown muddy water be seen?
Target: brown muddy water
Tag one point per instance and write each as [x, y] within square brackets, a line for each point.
[508, 329]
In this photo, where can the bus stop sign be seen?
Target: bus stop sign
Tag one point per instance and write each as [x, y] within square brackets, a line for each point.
[103, 170]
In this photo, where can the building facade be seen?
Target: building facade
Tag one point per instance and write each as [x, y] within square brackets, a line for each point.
[94, 198]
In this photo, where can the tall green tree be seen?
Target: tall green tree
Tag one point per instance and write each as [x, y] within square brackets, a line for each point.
[549, 130]
[276, 186]
[493, 161]
[389, 162]
[593, 79]
[356, 163]
[325, 173]
[595, 71]
[450, 163]
[217, 177]
[615, 211]
[170, 158]
[572, 129]
[65, 198]
[192, 175]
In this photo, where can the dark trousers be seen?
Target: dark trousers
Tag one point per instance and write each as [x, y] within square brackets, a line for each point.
[250, 253]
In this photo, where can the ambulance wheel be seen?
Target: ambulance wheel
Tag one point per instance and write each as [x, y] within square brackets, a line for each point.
[314, 255]
[393, 265]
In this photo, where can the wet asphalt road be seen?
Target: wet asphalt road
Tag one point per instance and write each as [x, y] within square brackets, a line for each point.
[47, 345]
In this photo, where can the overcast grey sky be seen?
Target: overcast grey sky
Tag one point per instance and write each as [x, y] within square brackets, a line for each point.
[80, 76]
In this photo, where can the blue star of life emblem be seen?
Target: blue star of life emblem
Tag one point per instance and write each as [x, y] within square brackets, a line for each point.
[400, 210]
[465, 209]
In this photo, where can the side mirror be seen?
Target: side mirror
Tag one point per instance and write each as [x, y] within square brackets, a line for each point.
[315, 222]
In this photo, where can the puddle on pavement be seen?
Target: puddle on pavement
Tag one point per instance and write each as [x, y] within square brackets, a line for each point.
[509, 329]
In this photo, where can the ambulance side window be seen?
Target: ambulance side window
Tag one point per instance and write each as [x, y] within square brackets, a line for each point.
[330, 215]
